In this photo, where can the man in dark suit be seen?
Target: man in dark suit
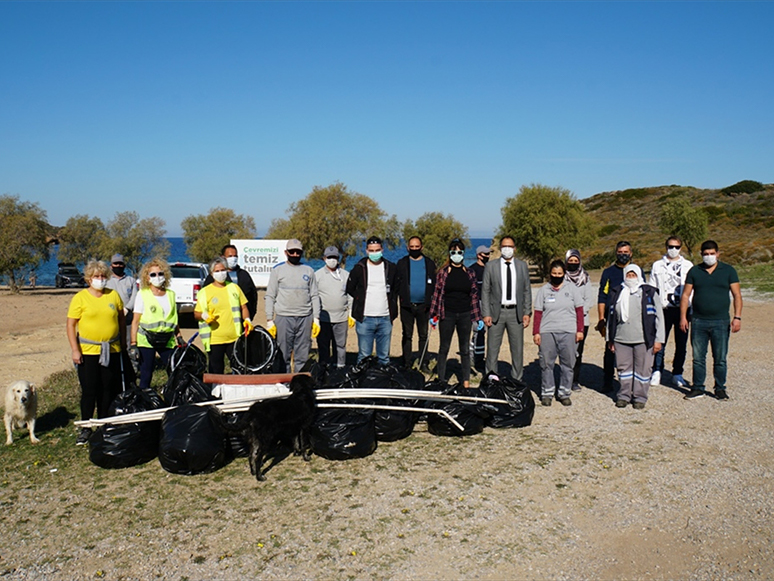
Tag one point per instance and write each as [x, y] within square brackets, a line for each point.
[506, 305]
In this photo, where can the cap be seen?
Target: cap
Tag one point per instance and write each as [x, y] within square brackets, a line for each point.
[294, 244]
[483, 249]
[117, 258]
[331, 251]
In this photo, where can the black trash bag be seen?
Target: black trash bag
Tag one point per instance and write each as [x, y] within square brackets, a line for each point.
[393, 425]
[520, 409]
[238, 446]
[343, 434]
[184, 387]
[190, 357]
[254, 353]
[124, 445]
[330, 376]
[192, 440]
[470, 415]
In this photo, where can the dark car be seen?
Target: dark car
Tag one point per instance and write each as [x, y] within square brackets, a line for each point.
[68, 275]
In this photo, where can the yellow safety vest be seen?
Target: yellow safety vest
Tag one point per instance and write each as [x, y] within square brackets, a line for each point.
[153, 319]
[205, 333]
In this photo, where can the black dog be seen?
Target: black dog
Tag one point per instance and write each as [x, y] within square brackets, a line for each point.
[270, 423]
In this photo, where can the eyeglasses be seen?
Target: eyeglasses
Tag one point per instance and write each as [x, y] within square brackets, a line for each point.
[672, 246]
[155, 274]
[295, 252]
[456, 253]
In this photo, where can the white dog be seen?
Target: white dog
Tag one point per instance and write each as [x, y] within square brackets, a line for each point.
[21, 407]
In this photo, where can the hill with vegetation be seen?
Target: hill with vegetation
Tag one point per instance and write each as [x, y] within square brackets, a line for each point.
[740, 220]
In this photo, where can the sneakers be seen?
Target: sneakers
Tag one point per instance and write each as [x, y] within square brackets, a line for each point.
[565, 401]
[576, 386]
[639, 405]
[546, 401]
[720, 394]
[694, 394]
[655, 379]
[679, 381]
[621, 403]
[83, 437]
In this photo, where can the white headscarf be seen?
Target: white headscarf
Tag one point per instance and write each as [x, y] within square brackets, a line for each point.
[630, 288]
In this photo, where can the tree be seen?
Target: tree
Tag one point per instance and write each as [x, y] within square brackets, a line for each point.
[81, 239]
[205, 235]
[24, 238]
[680, 218]
[335, 216]
[545, 222]
[436, 231]
[138, 240]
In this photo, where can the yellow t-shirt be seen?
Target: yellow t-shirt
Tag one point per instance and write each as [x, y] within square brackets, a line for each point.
[97, 318]
[218, 304]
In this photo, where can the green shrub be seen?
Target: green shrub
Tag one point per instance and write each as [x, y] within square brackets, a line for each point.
[743, 187]
[601, 260]
[714, 211]
[608, 229]
[633, 194]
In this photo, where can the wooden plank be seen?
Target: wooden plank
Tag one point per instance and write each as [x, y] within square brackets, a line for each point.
[262, 379]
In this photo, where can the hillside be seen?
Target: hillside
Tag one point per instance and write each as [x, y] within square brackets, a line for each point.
[741, 223]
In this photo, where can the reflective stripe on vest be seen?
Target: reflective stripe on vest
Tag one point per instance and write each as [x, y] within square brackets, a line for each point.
[205, 333]
[153, 319]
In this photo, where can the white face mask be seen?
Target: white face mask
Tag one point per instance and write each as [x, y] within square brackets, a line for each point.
[158, 281]
[457, 258]
[332, 263]
[220, 276]
[98, 283]
[710, 259]
[232, 262]
[632, 283]
[673, 252]
[507, 252]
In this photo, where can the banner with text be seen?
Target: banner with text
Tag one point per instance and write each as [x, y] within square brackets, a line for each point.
[258, 257]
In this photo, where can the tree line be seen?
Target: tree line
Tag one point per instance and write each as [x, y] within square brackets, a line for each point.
[544, 222]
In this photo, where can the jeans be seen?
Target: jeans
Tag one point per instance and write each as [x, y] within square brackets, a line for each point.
[704, 332]
[672, 320]
[418, 313]
[374, 329]
[148, 362]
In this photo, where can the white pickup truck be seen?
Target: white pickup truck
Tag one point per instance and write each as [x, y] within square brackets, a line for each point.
[187, 281]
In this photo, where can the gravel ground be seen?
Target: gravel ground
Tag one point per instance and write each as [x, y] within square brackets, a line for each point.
[680, 490]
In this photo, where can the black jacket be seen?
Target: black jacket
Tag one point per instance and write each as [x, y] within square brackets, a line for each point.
[245, 282]
[357, 283]
[404, 280]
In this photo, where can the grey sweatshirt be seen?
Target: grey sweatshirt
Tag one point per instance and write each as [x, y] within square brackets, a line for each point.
[335, 303]
[292, 292]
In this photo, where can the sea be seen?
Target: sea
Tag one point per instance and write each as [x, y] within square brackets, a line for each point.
[178, 253]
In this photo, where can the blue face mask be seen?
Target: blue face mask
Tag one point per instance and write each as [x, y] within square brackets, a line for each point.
[375, 256]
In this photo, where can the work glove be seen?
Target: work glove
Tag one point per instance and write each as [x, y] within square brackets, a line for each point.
[479, 325]
[351, 322]
[134, 353]
[248, 326]
[180, 341]
[315, 328]
[271, 328]
[208, 318]
[434, 322]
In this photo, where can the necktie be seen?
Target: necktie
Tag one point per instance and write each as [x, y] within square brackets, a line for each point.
[508, 282]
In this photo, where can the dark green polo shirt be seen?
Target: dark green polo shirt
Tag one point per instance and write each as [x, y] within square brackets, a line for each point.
[711, 299]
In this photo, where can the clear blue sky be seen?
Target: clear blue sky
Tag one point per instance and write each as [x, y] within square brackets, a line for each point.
[172, 108]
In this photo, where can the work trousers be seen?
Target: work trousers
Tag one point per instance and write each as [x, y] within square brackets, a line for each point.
[332, 342]
[294, 337]
[672, 320]
[551, 346]
[148, 362]
[415, 313]
[635, 362]
[446, 327]
[478, 349]
[508, 322]
[716, 333]
[99, 385]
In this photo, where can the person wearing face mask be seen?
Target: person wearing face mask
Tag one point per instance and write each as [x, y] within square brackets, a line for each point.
[455, 305]
[556, 330]
[577, 275]
[335, 306]
[612, 277]
[506, 304]
[96, 331]
[238, 276]
[710, 283]
[292, 304]
[478, 341]
[154, 327]
[416, 281]
[125, 285]
[668, 276]
[221, 309]
[372, 286]
[634, 332]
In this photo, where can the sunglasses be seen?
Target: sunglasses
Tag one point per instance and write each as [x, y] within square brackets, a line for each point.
[155, 274]
[295, 252]
[456, 253]
[674, 247]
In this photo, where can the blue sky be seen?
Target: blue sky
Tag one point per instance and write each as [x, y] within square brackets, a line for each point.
[170, 109]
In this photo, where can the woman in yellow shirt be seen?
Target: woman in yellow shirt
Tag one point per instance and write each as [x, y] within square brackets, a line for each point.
[221, 309]
[97, 334]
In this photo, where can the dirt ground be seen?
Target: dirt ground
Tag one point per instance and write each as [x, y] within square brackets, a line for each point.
[680, 490]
